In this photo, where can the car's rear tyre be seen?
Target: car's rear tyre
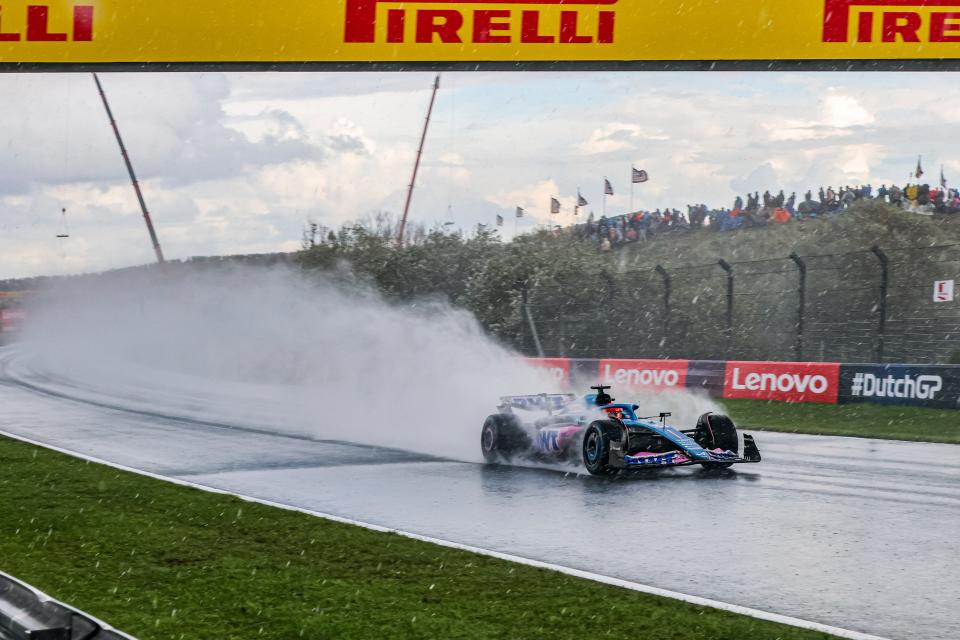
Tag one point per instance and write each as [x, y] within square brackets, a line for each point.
[595, 446]
[502, 438]
[717, 431]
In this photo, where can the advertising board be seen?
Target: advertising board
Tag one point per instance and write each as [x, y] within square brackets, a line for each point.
[261, 32]
[784, 381]
[918, 385]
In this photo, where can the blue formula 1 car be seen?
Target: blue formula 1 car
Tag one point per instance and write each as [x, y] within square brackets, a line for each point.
[607, 437]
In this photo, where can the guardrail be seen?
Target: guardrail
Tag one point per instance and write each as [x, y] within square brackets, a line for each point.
[29, 614]
[936, 386]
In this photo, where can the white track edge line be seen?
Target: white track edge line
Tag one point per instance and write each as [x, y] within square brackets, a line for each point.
[538, 564]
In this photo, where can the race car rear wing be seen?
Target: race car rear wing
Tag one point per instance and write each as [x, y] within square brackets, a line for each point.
[542, 401]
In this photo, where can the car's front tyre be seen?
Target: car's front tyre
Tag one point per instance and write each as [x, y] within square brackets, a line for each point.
[717, 431]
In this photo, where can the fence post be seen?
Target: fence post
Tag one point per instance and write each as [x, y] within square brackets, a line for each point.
[529, 316]
[729, 328]
[666, 303]
[884, 281]
[801, 304]
[610, 297]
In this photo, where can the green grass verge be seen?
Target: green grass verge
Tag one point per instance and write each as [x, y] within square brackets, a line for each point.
[165, 561]
[861, 420]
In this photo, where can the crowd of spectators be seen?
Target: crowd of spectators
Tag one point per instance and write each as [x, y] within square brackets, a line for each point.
[763, 210]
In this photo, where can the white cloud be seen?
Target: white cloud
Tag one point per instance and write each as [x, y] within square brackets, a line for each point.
[842, 111]
[838, 114]
[617, 136]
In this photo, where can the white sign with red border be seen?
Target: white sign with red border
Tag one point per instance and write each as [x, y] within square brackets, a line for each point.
[943, 291]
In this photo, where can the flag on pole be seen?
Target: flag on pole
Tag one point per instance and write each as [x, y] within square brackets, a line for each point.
[607, 188]
[639, 175]
[919, 171]
[499, 220]
[581, 201]
[943, 178]
[519, 212]
[554, 205]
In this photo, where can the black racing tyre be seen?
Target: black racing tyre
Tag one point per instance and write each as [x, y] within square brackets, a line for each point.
[502, 438]
[595, 446]
[717, 431]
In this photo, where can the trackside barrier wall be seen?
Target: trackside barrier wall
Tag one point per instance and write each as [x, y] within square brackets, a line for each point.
[936, 386]
[28, 614]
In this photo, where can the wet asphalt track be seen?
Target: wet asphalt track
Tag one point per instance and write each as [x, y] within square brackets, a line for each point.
[860, 534]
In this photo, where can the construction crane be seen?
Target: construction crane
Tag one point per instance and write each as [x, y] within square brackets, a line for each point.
[133, 176]
[416, 164]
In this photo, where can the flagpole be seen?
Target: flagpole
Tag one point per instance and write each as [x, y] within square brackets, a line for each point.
[631, 188]
[604, 196]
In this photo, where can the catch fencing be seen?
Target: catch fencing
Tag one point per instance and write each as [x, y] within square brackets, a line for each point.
[934, 386]
[875, 305]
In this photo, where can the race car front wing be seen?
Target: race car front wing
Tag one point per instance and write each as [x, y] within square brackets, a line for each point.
[620, 460]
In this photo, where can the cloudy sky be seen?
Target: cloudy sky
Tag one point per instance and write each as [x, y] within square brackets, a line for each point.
[238, 163]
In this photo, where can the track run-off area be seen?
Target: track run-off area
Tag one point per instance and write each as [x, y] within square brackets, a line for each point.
[855, 533]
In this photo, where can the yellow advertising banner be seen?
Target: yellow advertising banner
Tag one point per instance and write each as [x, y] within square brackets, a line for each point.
[352, 31]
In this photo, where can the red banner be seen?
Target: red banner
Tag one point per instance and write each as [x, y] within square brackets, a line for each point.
[658, 375]
[10, 319]
[557, 368]
[785, 381]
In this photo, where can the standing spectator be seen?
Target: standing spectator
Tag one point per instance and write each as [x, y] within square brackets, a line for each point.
[896, 195]
[939, 202]
[848, 198]
[911, 193]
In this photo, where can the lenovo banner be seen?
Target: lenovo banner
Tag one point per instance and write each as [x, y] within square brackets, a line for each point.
[557, 368]
[657, 375]
[924, 386]
[784, 381]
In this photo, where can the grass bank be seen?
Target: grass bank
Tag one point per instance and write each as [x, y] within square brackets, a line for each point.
[164, 561]
[860, 420]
